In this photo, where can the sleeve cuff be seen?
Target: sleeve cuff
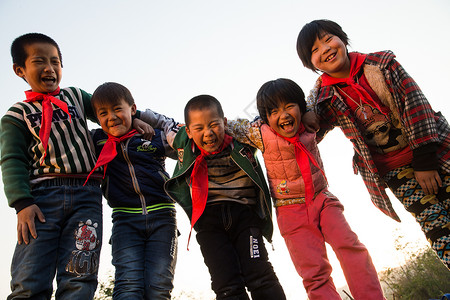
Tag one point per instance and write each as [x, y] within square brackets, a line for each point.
[21, 204]
[425, 158]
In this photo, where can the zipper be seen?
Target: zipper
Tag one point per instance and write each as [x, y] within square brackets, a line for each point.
[133, 177]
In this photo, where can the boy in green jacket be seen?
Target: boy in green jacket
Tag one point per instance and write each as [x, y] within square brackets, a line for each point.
[220, 185]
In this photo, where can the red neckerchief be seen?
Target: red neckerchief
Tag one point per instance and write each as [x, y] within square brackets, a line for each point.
[109, 151]
[303, 158]
[199, 182]
[356, 63]
[47, 113]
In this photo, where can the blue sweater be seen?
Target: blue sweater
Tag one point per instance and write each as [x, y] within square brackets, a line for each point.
[134, 180]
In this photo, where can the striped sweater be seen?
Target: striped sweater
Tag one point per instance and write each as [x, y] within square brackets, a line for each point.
[70, 149]
[227, 181]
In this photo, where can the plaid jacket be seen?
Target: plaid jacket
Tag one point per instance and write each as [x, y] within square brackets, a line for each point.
[407, 102]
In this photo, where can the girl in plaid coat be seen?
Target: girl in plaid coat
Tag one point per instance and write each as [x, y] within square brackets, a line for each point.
[399, 141]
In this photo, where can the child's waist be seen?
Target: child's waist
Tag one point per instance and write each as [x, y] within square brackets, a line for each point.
[65, 179]
[283, 202]
[147, 209]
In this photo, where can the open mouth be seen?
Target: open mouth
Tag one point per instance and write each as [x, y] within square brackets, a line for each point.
[287, 124]
[209, 143]
[330, 57]
[49, 79]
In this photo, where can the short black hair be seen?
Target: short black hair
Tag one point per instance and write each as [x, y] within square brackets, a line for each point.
[276, 92]
[201, 102]
[310, 32]
[18, 53]
[111, 93]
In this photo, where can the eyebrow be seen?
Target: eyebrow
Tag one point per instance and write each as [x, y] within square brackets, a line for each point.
[43, 57]
[196, 125]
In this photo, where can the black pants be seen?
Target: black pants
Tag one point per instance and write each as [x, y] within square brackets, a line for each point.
[232, 245]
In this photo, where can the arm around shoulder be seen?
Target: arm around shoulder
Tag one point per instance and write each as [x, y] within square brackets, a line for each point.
[159, 121]
[244, 132]
[311, 99]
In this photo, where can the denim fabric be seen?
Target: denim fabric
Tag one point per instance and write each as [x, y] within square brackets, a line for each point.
[233, 249]
[68, 243]
[144, 251]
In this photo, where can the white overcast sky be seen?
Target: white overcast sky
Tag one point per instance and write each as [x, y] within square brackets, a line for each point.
[166, 52]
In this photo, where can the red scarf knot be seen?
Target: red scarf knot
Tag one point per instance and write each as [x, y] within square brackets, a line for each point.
[356, 63]
[47, 113]
[109, 151]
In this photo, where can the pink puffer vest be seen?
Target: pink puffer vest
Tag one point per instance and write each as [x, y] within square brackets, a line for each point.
[283, 172]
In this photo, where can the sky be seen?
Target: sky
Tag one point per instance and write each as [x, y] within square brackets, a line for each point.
[167, 52]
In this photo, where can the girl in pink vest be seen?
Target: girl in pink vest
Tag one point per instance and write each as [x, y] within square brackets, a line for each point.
[308, 214]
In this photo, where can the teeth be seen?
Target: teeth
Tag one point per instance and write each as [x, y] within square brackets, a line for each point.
[330, 57]
[286, 123]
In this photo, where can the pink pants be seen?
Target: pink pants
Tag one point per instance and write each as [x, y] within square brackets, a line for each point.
[305, 241]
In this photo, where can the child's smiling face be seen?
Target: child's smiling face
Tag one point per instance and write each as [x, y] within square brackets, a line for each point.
[285, 119]
[207, 128]
[329, 55]
[115, 118]
[42, 68]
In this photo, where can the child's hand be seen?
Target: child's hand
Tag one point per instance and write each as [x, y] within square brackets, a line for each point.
[25, 223]
[311, 121]
[429, 181]
[257, 122]
[143, 128]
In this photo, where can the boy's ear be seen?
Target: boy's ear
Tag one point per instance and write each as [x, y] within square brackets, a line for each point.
[133, 109]
[188, 132]
[224, 121]
[19, 71]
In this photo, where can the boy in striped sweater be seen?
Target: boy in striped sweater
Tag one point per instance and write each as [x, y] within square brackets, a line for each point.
[46, 154]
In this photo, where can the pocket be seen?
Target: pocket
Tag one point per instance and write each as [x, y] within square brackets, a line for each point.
[291, 217]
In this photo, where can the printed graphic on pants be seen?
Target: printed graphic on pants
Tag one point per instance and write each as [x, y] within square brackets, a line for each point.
[254, 247]
[84, 260]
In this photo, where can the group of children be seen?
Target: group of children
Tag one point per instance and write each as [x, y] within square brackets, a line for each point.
[55, 170]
